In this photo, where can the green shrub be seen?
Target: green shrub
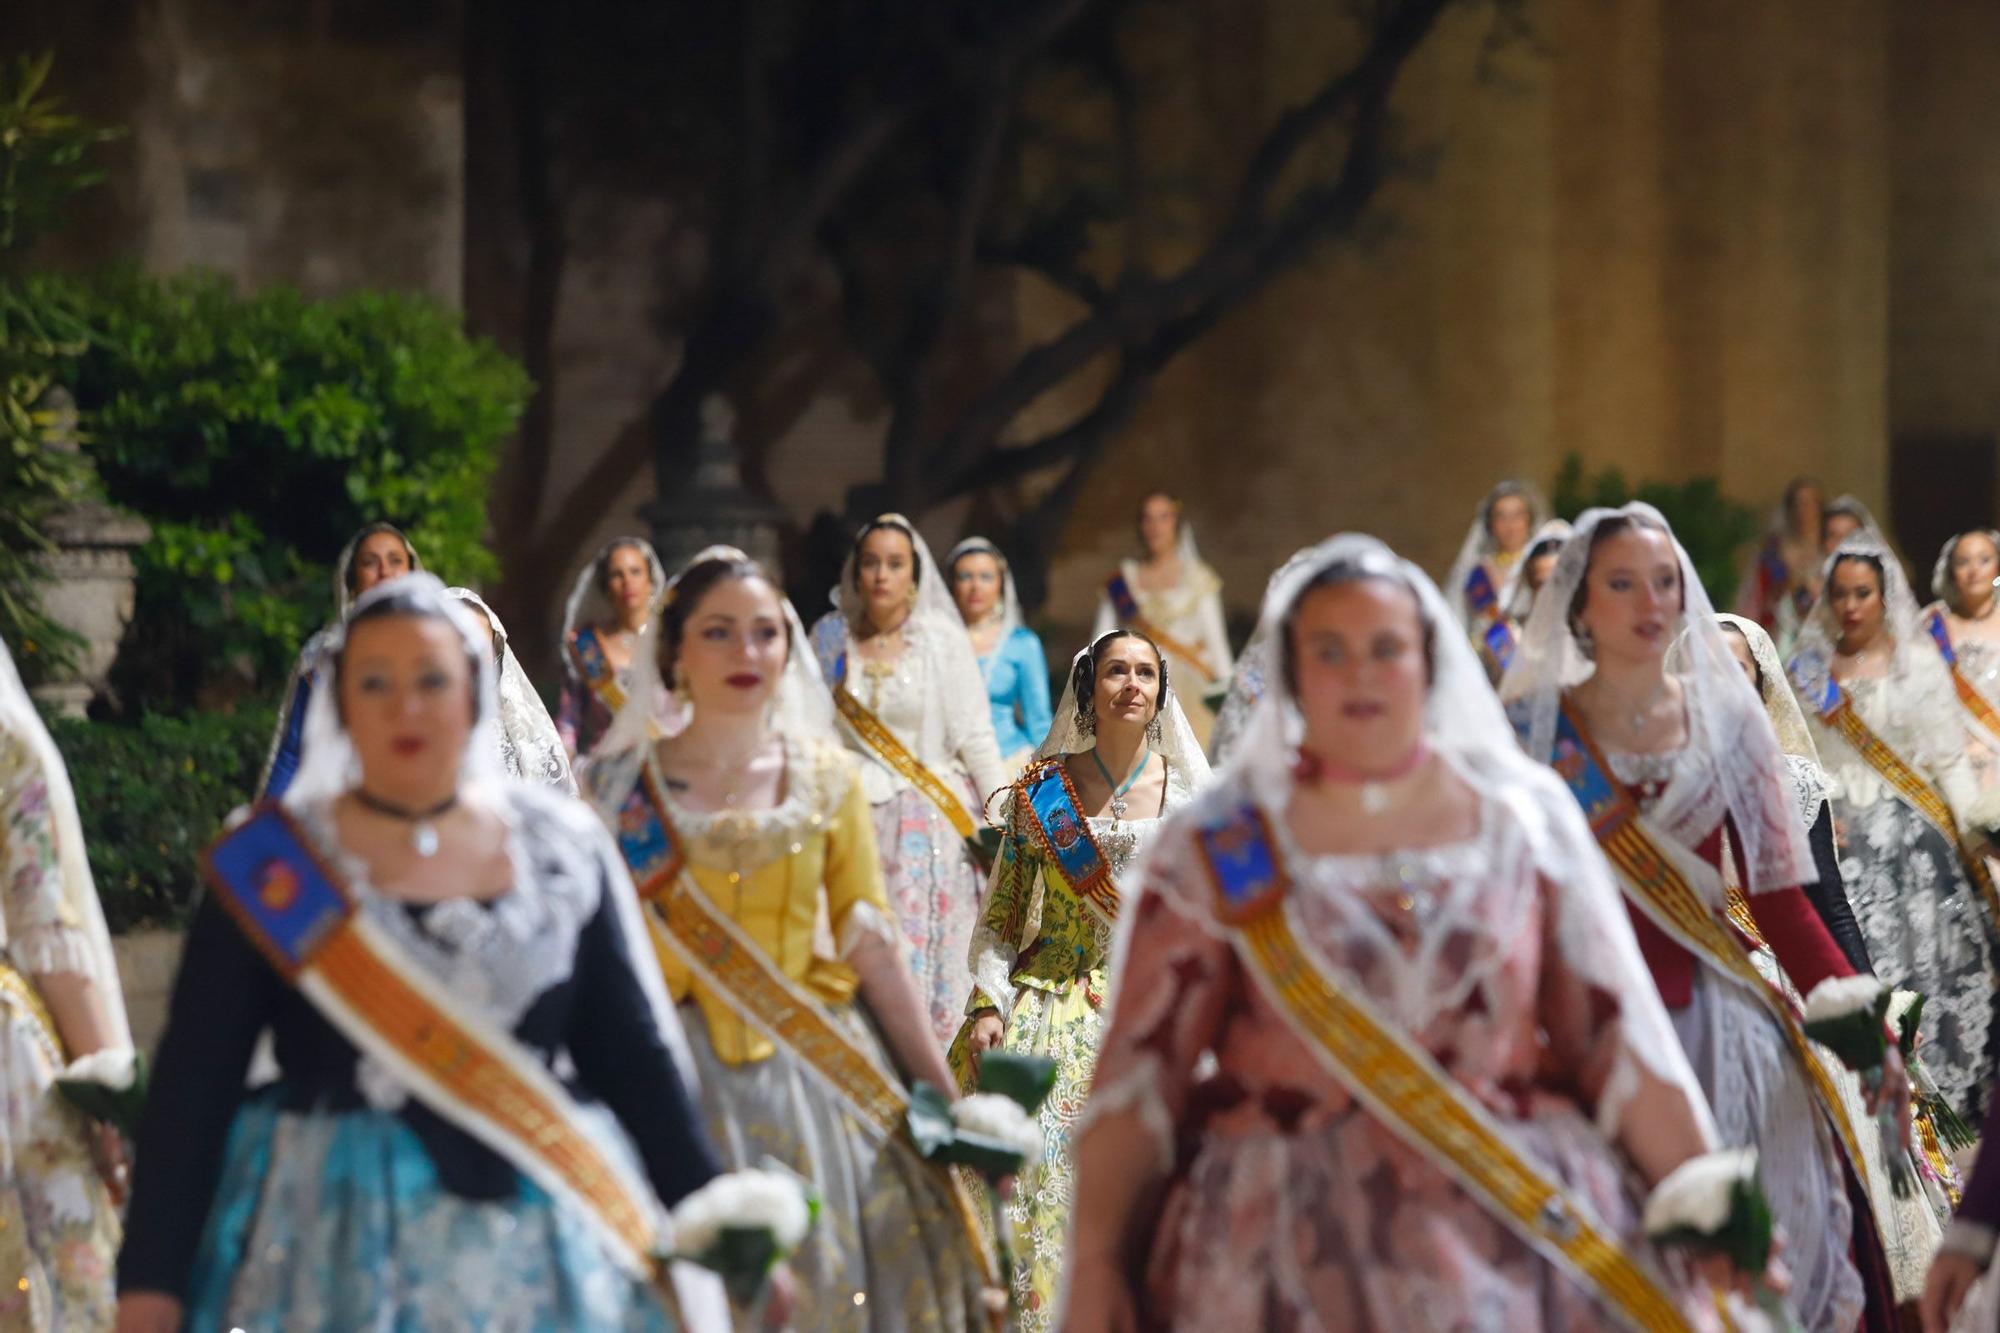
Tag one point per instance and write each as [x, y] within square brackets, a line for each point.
[256, 433]
[152, 796]
[1709, 524]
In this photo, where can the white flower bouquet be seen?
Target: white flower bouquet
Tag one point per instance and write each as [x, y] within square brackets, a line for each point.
[1849, 1016]
[994, 1131]
[1984, 813]
[1906, 1012]
[742, 1225]
[107, 1085]
[1715, 1204]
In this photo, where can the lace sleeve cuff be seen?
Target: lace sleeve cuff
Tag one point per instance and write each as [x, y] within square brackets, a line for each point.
[51, 948]
[864, 921]
[1136, 1093]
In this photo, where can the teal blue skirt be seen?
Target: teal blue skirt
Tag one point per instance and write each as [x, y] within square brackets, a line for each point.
[336, 1220]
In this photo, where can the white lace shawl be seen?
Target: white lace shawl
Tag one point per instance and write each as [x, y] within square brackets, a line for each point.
[530, 746]
[1913, 708]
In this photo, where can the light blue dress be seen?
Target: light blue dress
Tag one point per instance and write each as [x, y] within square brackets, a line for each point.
[1017, 681]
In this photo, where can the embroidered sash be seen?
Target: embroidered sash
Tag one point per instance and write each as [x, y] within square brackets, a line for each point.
[1653, 881]
[1836, 710]
[875, 734]
[1126, 604]
[741, 974]
[586, 649]
[479, 1078]
[1977, 704]
[1405, 1089]
[1046, 798]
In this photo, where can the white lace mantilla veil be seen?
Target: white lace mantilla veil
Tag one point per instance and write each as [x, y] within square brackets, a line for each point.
[587, 604]
[1517, 599]
[1187, 766]
[1465, 726]
[1941, 584]
[79, 891]
[329, 767]
[1011, 618]
[1478, 543]
[1725, 717]
[309, 654]
[1252, 674]
[1931, 707]
[802, 708]
[1810, 784]
[530, 745]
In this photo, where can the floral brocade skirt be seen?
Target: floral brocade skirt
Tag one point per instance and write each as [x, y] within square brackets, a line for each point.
[1333, 1226]
[891, 1251]
[1065, 1027]
[59, 1232]
[934, 888]
[336, 1220]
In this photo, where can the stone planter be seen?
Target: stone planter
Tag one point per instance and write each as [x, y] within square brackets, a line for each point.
[90, 589]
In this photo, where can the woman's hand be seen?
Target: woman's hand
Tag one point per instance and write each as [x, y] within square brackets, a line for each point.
[781, 1298]
[987, 1033]
[1099, 1299]
[107, 1150]
[148, 1312]
[1724, 1276]
[1894, 1086]
[1951, 1277]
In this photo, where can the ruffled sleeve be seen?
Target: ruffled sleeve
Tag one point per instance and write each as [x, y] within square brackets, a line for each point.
[968, 713]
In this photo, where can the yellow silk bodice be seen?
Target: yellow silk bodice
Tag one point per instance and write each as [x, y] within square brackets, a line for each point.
[801, 880]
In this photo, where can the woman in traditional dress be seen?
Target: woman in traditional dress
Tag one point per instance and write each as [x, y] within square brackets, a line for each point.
[61, 1175]
[1517, 596]
[376, 554]
[1910, 1227]
[1379, 845]
[1678, 768]
[1962, 625]
[766, 811]
[424, 938]
[1493, 545]
[608, 612]
[1893, 739]
[913, 705]
[530, 747]
[1009, 653]
[1251, 676]
[1756, 654]
[1776, 590]
[1173, 598]
[1121, 756]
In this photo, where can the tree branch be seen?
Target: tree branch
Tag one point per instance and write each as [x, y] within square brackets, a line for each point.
[1245, 254]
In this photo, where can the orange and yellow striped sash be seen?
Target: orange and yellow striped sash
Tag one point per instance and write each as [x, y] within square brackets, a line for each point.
[1404, 1087]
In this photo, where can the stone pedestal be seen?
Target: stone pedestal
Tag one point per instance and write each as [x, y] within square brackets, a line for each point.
[91, 576]
[715, 508]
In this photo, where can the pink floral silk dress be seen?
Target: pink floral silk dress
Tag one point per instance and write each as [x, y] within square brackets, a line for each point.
[1288, 1206]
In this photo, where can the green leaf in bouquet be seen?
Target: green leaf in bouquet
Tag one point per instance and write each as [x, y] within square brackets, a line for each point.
[1906, 1028]
[1024, 1079]
[119, 1107]
[929, 1119]
[1859, 1038]
[743, 1258]
[989, 1157]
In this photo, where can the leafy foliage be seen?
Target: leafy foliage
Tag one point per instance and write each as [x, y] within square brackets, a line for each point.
[1710, 525]
[44, 152]
[152, 795]
[44, 159]
[255, 434]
